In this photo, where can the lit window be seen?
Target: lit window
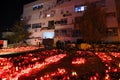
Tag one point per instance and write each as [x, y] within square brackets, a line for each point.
[80, 8]
[34, 7]
[48, 35]
[37, 6]
[48, 15]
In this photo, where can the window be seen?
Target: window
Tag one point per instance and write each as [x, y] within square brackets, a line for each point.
[57, 33]
[64, 32]
[52, 13]
[37, 25]
[48, 35]
[38, 6]
[48, 15]
[67, 13]
[80, 8]
[61, 12]
[59, 1]
[77, 21]
[112, 31]
[69, 32]
[100, 3]
[76, 33]
[34, 7]
[110, 14]
[57, 22]
[51, 25]
[61, 22]
[28, 26]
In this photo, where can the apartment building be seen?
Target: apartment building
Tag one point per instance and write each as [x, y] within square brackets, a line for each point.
[54, 19]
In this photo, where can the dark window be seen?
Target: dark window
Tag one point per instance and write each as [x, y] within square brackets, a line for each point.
[110, 14]
[64, 32]
[57, 33]
[38, 25]
[62, 12]
[57, 22]
[28, 26]
[59, 1]
[63, 21]
[35, 7]
[76, 33]
[100, 3]
[67, 14]
[112, 31]
[77, 21]
[40, 6]
[67, 11]
[51, 25]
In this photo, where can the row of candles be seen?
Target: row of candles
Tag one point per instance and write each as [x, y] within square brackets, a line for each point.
[13, 68]
[18, 49]
[110, 63]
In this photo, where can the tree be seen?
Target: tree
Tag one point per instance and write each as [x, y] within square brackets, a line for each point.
[19, 33]
[92, 24]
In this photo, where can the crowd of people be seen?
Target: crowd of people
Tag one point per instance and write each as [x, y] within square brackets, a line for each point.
[102, 47]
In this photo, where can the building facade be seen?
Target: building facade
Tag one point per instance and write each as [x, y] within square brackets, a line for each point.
[54, 19]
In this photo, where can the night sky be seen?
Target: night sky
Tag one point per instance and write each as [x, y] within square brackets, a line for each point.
[11, 10]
